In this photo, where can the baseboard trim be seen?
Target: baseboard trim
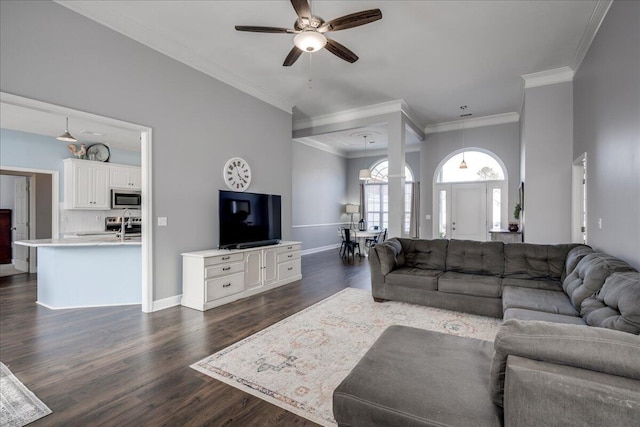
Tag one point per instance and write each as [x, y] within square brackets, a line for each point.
[161, 304]
[320, 249]
[50, 307]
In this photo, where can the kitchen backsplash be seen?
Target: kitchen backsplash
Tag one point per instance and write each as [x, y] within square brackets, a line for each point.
[72, 221]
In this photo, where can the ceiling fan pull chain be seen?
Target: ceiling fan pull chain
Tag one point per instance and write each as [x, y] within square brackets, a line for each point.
[310, 79]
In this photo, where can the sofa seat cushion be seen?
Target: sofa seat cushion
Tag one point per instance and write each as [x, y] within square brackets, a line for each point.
[467, 256]
[544, 284]
[470, 284]
[413, 377]
[414, 278]
[537, 300]
[530, 261]
[617, 305]
[524, 314]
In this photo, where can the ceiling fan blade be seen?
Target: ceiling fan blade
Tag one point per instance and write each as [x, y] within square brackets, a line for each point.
[302, 8]
[292, 57]
[350, 21]
[264, 29]
[340, 51]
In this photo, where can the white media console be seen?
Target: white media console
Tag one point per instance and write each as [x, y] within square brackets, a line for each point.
[215, 277]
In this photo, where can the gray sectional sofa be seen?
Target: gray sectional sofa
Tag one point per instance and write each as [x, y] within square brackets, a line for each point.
[567, 354]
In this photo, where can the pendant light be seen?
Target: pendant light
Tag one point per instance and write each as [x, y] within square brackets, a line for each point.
[463, 164]
[365, 174]
[66, 136]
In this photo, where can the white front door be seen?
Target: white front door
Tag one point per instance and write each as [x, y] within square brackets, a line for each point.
[21, 232]
[469, 211]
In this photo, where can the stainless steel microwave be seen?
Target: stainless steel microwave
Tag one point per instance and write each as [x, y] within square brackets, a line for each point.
[126, 199]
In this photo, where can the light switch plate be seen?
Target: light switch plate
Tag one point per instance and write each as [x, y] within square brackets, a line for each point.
[162, 221]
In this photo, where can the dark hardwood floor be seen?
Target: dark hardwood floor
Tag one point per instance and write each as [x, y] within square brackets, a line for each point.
[117, 366]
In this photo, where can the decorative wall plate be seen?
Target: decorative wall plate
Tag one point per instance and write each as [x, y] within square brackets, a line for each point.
[99, 152]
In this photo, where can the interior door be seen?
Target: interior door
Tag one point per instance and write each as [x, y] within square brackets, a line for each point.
[5, 236]
[469, 211]
[21, 232]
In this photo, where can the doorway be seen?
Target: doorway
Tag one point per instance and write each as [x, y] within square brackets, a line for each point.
[579, 200]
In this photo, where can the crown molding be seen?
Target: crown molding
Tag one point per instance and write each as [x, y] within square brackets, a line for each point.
[310, 142]
[599, 12]
[396, 106]
[548, 77]
[380, 152]
[173, 49]
[476, 122]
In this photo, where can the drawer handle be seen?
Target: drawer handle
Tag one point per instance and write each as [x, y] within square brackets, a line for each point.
[224, 258]
[227, 285]
[289, 247]
[290, 256]
[226, 268]
[290, 268]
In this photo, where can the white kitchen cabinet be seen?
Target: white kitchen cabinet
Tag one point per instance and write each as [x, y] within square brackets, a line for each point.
[129, 177]
[86, 185]
[215, 277]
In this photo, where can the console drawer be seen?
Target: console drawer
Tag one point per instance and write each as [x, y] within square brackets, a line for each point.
[223, 270]
[221, 259]
[289, 269]
[288, 256]
[224, 286]
[288, 248]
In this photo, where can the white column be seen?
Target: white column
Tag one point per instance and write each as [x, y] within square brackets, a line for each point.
[396, 128]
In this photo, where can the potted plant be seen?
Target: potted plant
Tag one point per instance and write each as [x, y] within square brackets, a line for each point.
[513, 226]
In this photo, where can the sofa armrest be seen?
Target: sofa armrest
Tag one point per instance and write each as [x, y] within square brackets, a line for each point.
[542, 393]
[377, 278]
[595, 349]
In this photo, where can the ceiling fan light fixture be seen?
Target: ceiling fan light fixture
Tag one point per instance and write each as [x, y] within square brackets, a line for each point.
[310, 41]
[66, 136]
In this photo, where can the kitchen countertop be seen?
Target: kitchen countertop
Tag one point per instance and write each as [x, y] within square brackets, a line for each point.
[81, 241]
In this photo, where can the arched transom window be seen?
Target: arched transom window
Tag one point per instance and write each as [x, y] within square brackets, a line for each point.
[480, 167]
[377, 196]
[380, 173]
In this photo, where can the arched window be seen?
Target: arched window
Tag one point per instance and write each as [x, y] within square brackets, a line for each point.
[377, 196]
[480, 167]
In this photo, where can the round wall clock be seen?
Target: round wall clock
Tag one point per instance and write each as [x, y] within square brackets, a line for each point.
[98, 152]
[237, 174]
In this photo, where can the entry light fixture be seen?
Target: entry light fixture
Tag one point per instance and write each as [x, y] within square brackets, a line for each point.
[66, 136]
[310, 41]
[463, 164]
[365, 174]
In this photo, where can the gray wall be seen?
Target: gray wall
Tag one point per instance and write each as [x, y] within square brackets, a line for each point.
[501, 140]
[547, 137]
[319, 195]
[198, 122]
[607, 127]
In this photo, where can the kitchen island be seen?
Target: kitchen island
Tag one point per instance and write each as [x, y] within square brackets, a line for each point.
[88, 271]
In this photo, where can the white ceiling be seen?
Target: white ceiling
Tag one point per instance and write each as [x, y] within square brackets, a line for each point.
[52, 124]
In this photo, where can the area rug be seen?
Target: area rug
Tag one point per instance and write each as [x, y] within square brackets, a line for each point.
[298, 362]
[18, 405]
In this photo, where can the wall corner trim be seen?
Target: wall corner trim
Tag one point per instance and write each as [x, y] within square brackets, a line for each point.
[548, 77]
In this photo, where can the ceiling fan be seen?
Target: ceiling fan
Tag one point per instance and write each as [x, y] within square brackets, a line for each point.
[310, 31]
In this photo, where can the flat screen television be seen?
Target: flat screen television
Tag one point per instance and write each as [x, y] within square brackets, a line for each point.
[249, 219]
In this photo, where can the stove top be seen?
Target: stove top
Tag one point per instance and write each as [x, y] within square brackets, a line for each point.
[114, 223]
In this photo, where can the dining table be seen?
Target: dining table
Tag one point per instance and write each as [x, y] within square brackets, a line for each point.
[362, 236]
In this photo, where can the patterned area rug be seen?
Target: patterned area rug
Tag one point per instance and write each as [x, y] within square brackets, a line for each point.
[298, 362]
[18, 405]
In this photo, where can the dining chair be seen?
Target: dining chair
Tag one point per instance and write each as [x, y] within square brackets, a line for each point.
[351, 239]
[379, 238]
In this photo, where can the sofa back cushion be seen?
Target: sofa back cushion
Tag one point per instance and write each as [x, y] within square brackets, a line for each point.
[617, 305]
[390, 254]
[467, 256]
[530, 261]
[574, 256]
[589, 276]
[425, 254]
